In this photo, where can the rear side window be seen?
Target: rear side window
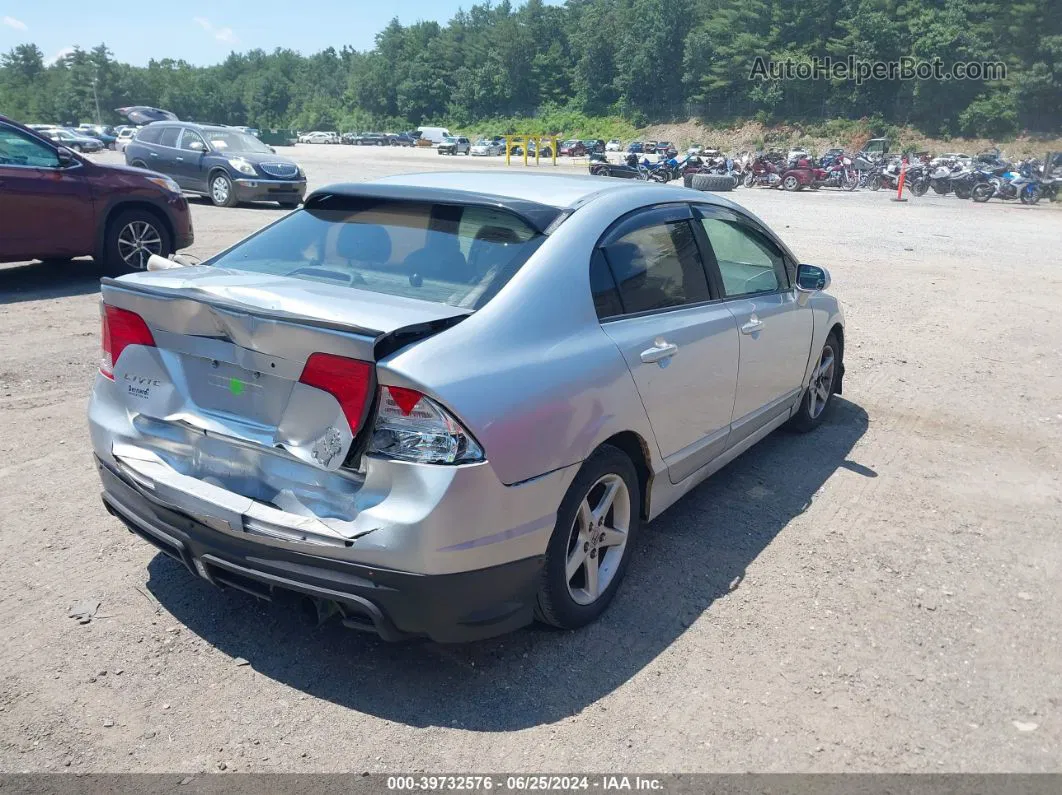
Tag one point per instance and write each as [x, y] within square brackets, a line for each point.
[149, 134]
[449, 254]
[169, 136]
[657, 267]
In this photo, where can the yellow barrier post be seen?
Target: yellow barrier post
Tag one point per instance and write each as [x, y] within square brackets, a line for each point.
[508, 150]
[554, 147]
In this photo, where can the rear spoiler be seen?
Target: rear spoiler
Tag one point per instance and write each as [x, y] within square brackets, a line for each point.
[541, 217]
[384, 342]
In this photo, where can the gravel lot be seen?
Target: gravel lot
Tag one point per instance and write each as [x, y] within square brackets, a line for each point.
[882, 595]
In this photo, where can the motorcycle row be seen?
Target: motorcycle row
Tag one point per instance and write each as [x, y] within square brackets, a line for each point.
[986, 176]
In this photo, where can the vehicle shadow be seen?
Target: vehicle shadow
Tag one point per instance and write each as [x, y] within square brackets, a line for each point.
[697, 552]
[36, 281]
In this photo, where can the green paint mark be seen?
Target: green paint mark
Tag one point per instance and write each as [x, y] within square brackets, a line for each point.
[236, 386]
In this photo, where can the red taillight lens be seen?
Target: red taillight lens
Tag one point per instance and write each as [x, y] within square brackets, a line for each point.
[121, 328]
[348, 380]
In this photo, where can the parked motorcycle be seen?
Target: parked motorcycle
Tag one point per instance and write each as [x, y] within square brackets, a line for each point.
[840, 174]
[802, 174]
[630, 168]
[761, 171]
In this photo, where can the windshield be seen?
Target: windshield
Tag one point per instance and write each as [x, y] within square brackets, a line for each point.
[234, 141]
[442, 253]
[449, 139]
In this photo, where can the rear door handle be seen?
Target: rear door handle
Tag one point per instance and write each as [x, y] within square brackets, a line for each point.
[154, 154]
[753, 325]
[180, 159]
[661, 350]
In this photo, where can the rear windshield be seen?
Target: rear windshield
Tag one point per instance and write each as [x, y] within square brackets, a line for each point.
[443, 253]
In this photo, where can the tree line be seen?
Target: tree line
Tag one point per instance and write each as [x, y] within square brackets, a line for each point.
[642, 60]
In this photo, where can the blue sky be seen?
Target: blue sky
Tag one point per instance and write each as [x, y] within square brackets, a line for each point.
[205, 32]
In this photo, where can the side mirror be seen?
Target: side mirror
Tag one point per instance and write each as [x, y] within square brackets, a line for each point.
[67, 159]
[197, 146]
[810, 279]
[271, 149]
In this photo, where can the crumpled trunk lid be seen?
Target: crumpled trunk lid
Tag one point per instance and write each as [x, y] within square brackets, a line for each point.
[219, 396]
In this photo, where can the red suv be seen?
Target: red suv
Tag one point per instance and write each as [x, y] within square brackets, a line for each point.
[55, 204]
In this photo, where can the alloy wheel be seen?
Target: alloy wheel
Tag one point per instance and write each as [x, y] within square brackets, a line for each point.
[219, 189]
[137, 241]
[821, 382]
[598, 539]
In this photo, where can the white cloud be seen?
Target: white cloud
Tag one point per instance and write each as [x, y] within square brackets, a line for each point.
[221, 34]
[59, 55]
[17, 24]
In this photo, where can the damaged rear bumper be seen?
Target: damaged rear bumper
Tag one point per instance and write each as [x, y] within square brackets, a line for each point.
[447, 608]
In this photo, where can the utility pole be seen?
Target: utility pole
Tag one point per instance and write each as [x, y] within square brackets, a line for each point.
[96, 97]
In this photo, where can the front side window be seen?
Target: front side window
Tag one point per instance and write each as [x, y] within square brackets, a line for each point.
[447, 254]
[17, 149]
[658, 266]
[747, 262]
[189, 137]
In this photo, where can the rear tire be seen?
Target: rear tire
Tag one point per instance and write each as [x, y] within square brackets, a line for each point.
[131, 237]
[818, 397]
[750, 180]
[713, 182]
[791, 184]
[578, 584]
[875, 183]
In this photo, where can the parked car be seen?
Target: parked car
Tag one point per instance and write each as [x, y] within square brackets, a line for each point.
[635, 148]
[222, 163]
[124, 137]
[58, 205]
[372, 139]
[666, 148]
[73, 140]
[594, 145]
[572, 148]
[695, 150]
[106, 135]
[401, 139]
[454, 145]
[486, 148]
[615, 145]
[650, 147]
[367, 458]
[318, 137]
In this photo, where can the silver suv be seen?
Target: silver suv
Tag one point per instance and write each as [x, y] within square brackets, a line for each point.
[445, 403]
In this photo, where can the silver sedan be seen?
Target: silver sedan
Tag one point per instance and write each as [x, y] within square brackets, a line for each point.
[444, 404]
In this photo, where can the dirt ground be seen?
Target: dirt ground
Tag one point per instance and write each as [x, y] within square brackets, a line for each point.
[884, 594]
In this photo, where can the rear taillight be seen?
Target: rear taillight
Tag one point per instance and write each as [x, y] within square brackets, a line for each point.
[349, 381]
[412, 427]
[120, 328]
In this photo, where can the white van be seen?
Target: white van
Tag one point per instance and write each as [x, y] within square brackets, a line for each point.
[433, 134]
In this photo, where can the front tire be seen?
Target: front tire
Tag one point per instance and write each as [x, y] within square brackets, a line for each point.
[592, 542]
[131, 238]
[982, 192]
[222, 191]
[818, 397]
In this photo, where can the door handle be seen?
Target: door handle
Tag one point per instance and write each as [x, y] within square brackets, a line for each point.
[753, 325]
[180, 159]
[661, 350]
[154, 154]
